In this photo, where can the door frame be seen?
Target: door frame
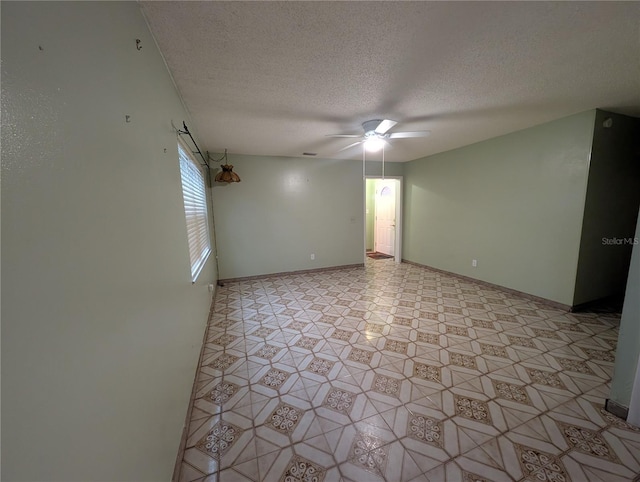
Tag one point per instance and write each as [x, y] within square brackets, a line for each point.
[398, 237]
[379, 183]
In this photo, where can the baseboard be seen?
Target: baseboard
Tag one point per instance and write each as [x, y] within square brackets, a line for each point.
[185, 428]
[537, 299]
[608, 303]
[288, 273]
[581, 307]
[615, 408]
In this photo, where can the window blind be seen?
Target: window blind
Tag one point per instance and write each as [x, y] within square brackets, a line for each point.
[195, 210]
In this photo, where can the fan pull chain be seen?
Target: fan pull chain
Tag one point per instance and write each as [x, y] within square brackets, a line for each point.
[383, 162]
[364, 171]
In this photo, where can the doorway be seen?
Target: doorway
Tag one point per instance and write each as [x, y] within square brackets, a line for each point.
[383, 218]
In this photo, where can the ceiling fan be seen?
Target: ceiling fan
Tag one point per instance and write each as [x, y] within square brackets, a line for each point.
[376, 134]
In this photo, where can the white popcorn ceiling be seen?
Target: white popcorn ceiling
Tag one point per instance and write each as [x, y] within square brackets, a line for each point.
[273, 78]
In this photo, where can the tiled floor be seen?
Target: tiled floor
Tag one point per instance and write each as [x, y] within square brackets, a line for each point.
[398, 373]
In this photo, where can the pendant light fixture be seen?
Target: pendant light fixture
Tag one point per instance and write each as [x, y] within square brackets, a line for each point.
[227, 174]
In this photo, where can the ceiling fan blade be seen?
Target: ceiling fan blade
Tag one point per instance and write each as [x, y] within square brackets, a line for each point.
[350, 146]
[405, 135]
[384, 126]
[343, 135]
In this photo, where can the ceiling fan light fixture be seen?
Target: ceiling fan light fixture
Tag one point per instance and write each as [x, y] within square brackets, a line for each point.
[373, 143]
[376, 135]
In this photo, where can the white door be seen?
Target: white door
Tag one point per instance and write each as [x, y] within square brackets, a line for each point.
[385, 221]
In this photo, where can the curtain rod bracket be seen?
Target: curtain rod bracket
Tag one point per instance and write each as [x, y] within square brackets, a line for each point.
[227, 174]
[197, 151]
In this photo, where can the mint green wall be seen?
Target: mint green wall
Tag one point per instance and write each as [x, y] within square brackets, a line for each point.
[628, 349]
[611, 208]
[393, 169]
[101, 325]
[514, 203]
[370, 212]
[286, 209]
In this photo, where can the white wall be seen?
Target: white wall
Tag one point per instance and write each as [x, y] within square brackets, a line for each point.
[634, 405]
[101, 326]
[628, 351]
[286, 209]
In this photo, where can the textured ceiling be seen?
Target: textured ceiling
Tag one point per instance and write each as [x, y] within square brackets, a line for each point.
[274, 78]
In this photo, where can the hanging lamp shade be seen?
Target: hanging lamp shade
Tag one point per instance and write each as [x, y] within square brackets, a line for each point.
[227, 174]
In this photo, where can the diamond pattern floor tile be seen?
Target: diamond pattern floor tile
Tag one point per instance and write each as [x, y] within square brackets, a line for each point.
[394, 372]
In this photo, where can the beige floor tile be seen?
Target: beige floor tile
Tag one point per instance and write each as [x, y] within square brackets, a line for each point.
[398, 373]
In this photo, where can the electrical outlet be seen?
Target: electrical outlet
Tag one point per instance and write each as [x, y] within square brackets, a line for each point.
[313, 256]
[474, 263]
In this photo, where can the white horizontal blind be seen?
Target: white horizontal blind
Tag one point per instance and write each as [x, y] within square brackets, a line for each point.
[195, 210]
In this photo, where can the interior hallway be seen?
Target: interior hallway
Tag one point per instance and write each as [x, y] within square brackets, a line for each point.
[400, 373]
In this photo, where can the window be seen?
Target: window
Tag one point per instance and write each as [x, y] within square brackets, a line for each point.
[195, 210]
